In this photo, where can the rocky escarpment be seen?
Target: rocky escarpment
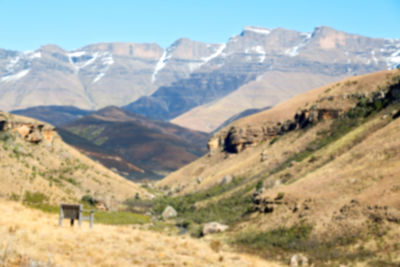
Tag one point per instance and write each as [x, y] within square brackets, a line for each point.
[236, 139]
[29, 130]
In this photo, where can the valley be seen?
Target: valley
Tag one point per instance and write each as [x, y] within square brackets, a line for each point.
[272, 147]
[313, 179]
[301, 178]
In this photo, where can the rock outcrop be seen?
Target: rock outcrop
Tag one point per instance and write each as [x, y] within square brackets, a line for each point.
[236, 139]
[29, 130]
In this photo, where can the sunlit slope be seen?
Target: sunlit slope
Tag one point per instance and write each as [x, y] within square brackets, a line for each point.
[34, 159]
[252, 133]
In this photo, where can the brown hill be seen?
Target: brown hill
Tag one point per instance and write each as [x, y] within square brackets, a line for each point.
[134, 145]
[316, 175]
[35, 162]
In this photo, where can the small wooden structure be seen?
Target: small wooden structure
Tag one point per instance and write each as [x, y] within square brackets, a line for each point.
[74, 212]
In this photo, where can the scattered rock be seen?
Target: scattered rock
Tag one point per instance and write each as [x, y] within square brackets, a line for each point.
[169, 213]
[214, 227]
[226, 180]
[298, 260]
[264, 156]
[256, 197]
[100, 205]
[352, 180]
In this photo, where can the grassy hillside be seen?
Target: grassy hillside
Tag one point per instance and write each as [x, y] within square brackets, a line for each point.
[136, 146]
[316, 175]
[36, 166]
[32, 238]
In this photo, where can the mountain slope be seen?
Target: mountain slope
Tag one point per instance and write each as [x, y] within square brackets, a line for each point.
[255, 67]
[88, 77]
[316, 175]
[34, 160]
[121, 140]
[269, 89]
[55, 115]
[240, 115]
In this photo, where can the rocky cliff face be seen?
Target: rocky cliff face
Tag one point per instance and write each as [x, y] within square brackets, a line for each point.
[29, 130]
[236, 139]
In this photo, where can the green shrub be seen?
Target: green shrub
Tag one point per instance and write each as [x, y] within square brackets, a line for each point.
[259, 185]
[89, 200]
[280, 196]
[35, 198]
[72, 181]
[14, 197]
[292, 238]
[120, 218]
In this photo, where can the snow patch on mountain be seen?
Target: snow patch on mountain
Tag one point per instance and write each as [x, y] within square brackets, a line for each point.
[107, 60]
[374, 57]
[393, 61]
[76, 54]
[204, 60]
[15, 77]
[216, 54]
[84, 63]
[294, 51]
[13, 62]
[257, 30]
[258, 49]
[32, 54]
[160, 65]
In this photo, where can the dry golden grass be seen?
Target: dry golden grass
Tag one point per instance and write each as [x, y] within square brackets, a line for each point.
[28, 235]
[57, 170]
[246, 164]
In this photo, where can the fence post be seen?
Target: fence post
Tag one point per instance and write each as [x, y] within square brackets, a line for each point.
[60, 219]
[80, 215]
[91, 218]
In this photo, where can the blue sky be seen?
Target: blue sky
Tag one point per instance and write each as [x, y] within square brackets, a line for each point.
[28, 24]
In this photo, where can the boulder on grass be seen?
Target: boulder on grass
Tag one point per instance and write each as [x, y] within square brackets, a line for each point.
[298, 260]
[214, 227]
[226, 180]
[169, 213]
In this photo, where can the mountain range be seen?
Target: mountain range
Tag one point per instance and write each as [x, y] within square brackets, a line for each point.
[192, 84]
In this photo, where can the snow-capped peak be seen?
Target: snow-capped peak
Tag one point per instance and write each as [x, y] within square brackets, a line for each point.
[258, 30]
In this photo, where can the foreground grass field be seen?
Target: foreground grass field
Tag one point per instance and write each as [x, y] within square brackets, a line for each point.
[29, 237]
